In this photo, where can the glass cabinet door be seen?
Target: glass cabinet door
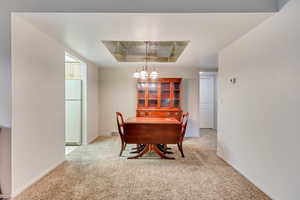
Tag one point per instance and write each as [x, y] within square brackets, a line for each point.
[141, 94]
[165, 94]
[153, 94]
[176, 94]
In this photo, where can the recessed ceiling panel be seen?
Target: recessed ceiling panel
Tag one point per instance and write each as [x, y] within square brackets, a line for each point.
[135, 51]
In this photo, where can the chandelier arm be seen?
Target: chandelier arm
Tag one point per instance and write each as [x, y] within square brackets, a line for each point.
[147, 44]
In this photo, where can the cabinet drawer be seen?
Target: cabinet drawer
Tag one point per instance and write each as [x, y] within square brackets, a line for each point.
[141, 114]
[176, 115]
[163, 114]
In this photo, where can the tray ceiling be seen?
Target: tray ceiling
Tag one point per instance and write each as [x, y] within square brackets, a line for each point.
[135, 51]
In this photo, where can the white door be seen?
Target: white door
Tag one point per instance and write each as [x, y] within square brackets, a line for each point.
[206, 102]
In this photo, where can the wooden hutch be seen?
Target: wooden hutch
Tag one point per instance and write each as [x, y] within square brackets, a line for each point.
[159, 98]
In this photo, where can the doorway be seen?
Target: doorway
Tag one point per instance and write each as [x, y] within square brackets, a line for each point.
[74, 102]
[207, 104]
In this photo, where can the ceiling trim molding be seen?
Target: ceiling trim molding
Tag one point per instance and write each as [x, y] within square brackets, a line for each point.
[144, 6]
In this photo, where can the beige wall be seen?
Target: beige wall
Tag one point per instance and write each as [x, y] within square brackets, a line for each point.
[38, 105]
[92, 109]
[38, 117]
[5, 160]
[118, 93]
[258, 126]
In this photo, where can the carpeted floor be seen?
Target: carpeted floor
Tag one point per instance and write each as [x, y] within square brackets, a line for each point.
[95, 172]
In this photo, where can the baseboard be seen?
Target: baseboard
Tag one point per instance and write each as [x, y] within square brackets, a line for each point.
[36, 179]
[193, 133]
[105, 133]
[4, 196]
[244, 175]
[93, 139]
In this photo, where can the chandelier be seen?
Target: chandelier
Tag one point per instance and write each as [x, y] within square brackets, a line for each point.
[145, 72]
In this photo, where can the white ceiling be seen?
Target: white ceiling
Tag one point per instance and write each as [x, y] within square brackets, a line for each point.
[208, 33]
[70, 58]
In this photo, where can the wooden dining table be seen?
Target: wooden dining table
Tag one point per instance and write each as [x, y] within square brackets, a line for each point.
[150, 133]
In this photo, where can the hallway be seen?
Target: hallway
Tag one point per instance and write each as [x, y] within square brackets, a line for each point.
[95, 172]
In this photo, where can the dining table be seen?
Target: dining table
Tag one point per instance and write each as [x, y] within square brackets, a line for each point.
[151, 134]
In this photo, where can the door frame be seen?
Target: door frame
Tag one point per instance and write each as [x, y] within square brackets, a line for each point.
[83, 78]
[213, 93]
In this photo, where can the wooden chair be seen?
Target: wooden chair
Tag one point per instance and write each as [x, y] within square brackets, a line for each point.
[184, 121]
[120, 122]
[183, 116]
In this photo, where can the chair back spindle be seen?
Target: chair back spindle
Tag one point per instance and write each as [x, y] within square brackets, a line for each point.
[184, 122]
[120, 123]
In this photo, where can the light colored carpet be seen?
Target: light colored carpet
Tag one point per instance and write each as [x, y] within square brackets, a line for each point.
[95, 172]
[69, 149]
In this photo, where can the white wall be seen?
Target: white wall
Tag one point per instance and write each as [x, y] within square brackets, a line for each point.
[259, 115]
[216, 102]
[92, 102]
[281, 3]
[118, 93]
[38, 103]
[5, 69]
[38, 120]
[5, 160]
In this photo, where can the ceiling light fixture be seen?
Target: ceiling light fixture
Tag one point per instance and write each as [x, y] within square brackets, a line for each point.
[145, 73]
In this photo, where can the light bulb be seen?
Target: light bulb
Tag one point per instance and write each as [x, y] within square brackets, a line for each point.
[143, 77]
[144, 73]
[136, 75]
[154, 75]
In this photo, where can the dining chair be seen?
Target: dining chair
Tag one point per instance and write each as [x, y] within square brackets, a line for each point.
[165, 148]
[184, 121]
[183, 116]
[120, 122]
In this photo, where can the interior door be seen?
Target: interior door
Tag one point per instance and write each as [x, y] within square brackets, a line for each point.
[206, 102]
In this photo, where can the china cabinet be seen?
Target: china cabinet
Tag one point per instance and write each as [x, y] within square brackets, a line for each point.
[159, 98]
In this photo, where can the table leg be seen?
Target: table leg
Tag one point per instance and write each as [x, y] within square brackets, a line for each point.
[163, 148]
[146, 149]
[134, 148]
[139, 148]
[149, 147]
[160, 153]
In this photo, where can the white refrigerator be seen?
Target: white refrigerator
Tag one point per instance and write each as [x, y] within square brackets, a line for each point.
[73, 105]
